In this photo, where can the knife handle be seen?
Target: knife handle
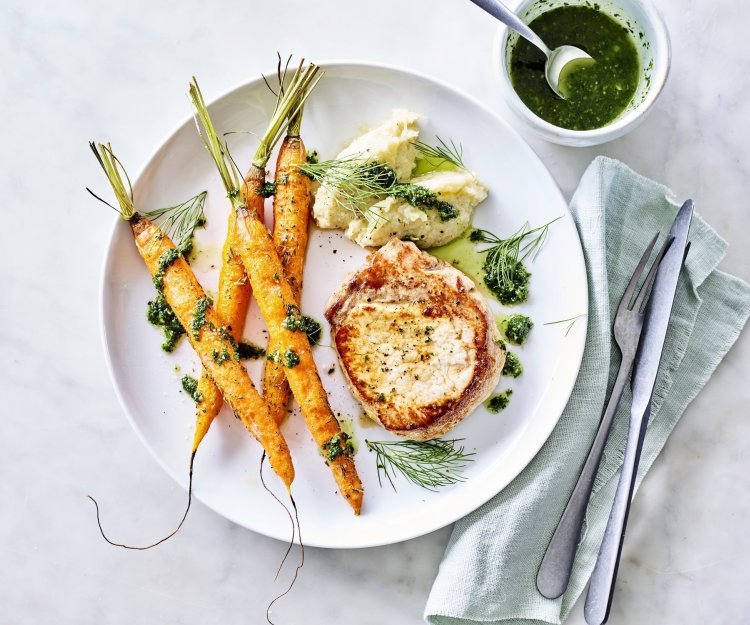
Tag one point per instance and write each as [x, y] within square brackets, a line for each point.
[554, 572]
[602, 586]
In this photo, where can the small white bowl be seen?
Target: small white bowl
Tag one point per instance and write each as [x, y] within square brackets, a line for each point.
[639, 16]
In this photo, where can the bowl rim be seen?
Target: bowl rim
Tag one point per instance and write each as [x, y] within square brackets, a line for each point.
[662, 48]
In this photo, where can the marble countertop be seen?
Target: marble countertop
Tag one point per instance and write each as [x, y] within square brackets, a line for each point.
[84, 69]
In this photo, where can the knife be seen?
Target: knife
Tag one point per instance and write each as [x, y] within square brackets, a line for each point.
[650, 348]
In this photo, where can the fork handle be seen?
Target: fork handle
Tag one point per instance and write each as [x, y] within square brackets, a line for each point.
[602, 587]
[554, 572]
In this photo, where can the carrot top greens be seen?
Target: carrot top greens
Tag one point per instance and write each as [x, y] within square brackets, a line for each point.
[117, 177]
[289, 101]
[295, 118]
[178, 222]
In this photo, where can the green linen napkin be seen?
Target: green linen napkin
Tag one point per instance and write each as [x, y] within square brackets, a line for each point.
[488, 572]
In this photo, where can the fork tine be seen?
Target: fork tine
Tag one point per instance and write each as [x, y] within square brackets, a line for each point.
[640, 302]
[628, 295]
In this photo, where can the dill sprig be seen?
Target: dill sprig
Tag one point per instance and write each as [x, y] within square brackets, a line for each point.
[118, 179]
[429, 464]
[571, 321]
[442, 152]
[359, 183]
[504, 260]
[181, 220]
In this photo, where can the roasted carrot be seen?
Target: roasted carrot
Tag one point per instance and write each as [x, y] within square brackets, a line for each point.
[210, 339]
[235, 291]
[275, 300]
[291, 212]
[213, 344]
[274, 293]
[234, 294]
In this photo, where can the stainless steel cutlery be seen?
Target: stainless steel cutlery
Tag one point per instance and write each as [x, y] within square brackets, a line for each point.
[554, 572]
[640, 330]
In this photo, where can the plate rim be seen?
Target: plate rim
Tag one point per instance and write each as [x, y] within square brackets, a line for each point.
[476, 501]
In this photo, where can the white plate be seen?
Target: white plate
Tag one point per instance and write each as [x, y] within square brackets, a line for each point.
[226, 472]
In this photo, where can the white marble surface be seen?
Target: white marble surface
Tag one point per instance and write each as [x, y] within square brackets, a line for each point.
[86, 69]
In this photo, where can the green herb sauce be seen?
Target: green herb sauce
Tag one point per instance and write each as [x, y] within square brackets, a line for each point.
[199, 316]
[288, 359]
[420, 197]
[427, 165]
[596, 92]
[268, 189]
[462, 254]
[165, 260]
[190, 386]
[339, 445]
[512, 367]
[250, 351]
[517, 328]
[181, 220]
[358, 180]
[220, 357]
[347, 427]
[312, 328]
[499, 401]
[510, 288]
[159, 313]
[423, 198]
[186, 248]
[295, 320]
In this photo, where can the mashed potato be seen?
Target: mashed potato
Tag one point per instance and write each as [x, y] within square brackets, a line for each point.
[392, 144]
[394, 217]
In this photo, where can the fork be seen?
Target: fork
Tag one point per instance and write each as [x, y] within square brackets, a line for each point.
[554, 571]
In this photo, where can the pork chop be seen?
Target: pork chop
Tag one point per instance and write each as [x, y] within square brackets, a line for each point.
[416, 341]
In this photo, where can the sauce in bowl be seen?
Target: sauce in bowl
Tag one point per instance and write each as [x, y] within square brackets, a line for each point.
[596, 92]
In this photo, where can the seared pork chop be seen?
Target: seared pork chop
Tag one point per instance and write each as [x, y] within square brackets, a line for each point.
[416, 340]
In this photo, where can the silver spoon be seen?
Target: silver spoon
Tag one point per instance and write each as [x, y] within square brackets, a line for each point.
[557, 59]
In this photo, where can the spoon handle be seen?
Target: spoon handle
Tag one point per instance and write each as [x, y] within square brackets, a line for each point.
[498, 10]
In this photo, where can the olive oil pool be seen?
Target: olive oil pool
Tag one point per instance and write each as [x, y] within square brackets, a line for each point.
[595, 92]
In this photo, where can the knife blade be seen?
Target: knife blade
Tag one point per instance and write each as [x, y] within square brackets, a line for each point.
[659, 311]
[650, 349]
